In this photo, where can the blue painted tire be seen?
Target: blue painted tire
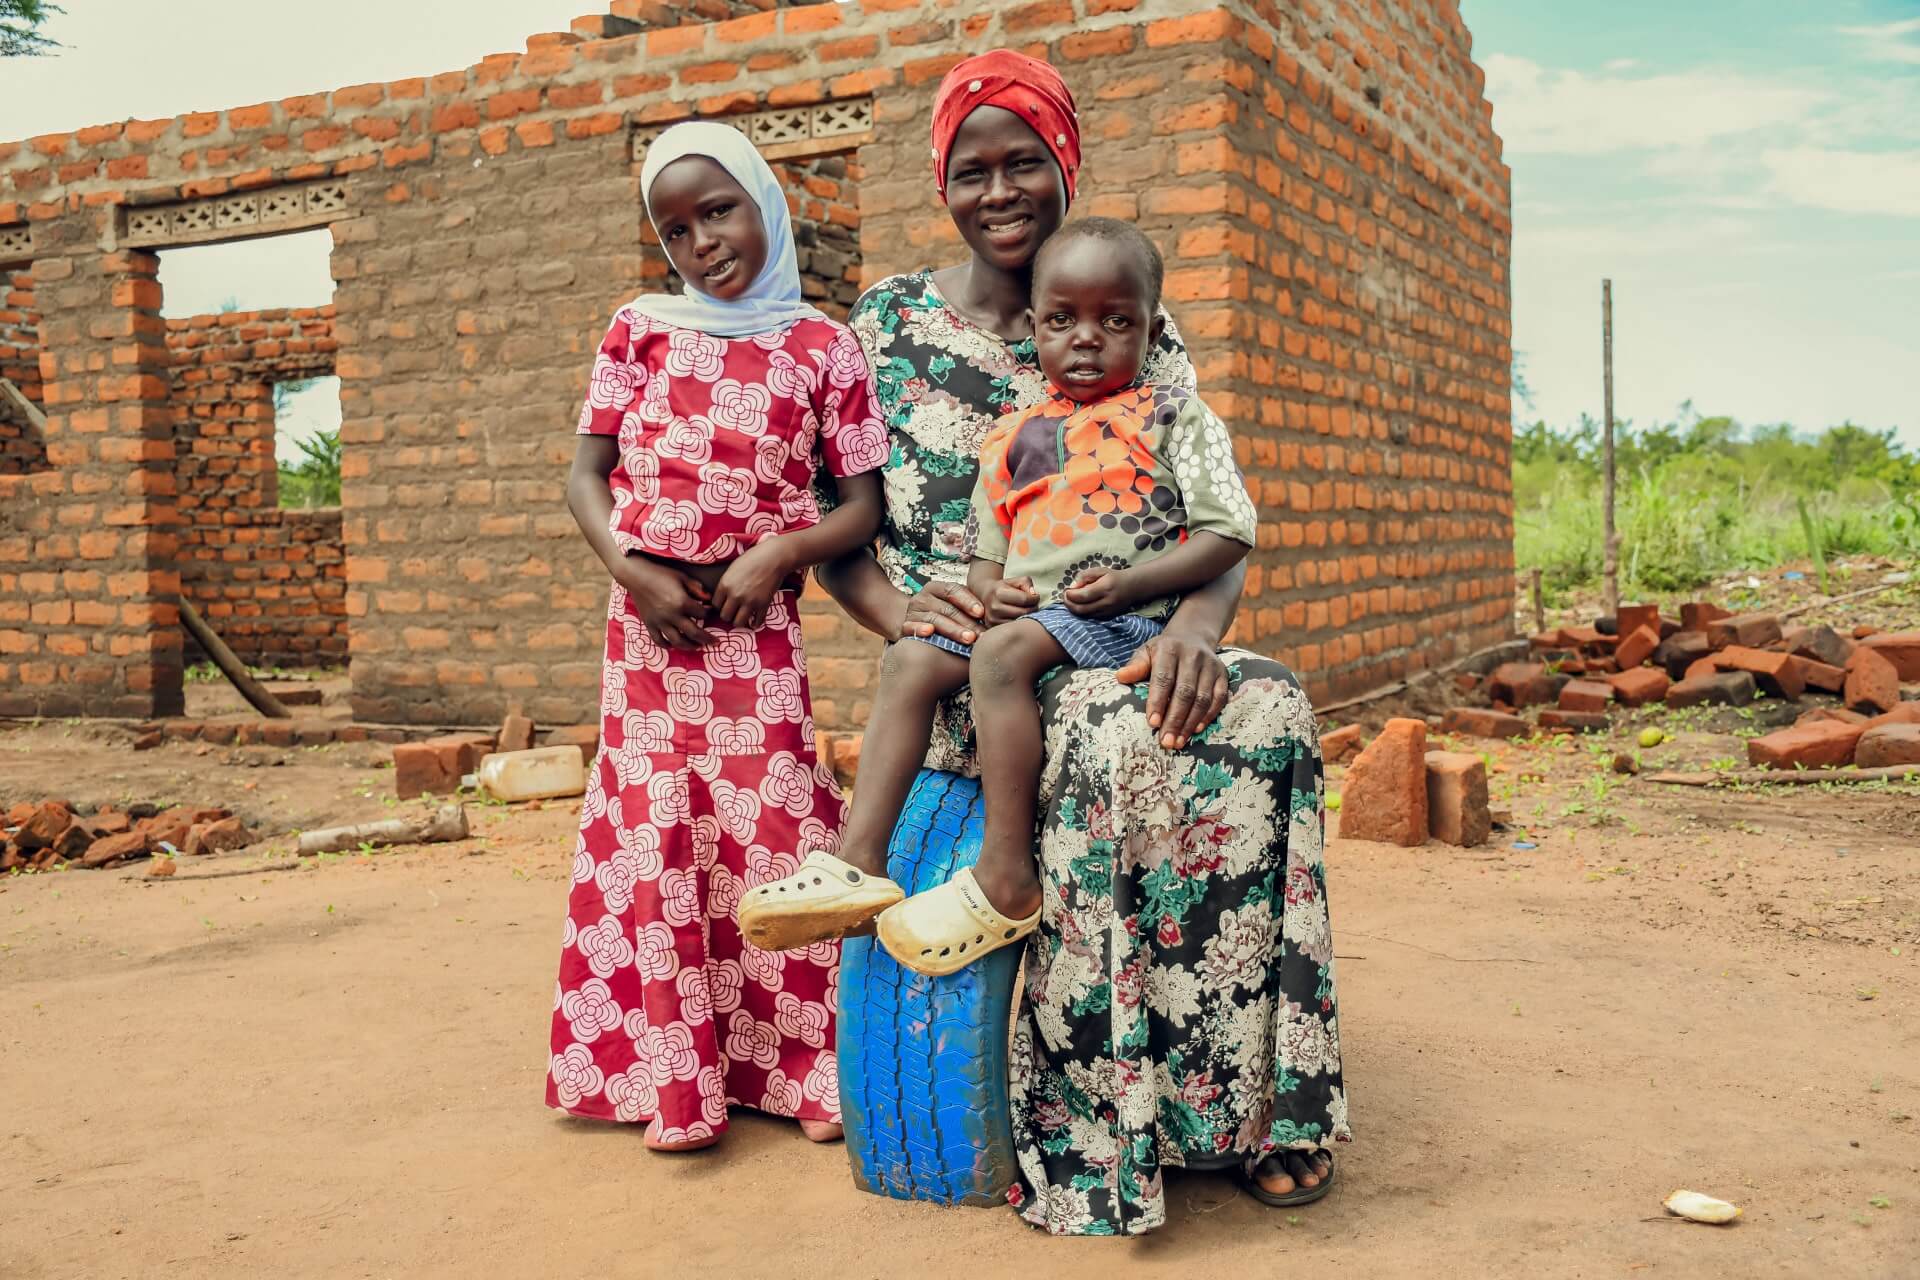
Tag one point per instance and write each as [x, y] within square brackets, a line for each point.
[923, 1061]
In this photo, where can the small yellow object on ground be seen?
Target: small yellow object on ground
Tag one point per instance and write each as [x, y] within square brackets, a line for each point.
[1333, 801]
[1695, 1207]
[1652, 737]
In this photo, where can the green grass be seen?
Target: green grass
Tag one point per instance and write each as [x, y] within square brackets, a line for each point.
[1698, 501]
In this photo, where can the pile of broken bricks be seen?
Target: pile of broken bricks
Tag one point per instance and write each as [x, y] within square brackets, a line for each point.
[1709, 656]
[41, 837]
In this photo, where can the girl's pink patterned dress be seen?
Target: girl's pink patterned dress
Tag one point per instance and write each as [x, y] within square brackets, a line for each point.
[706, 783]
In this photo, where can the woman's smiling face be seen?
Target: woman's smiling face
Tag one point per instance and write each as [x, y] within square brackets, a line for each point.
[709, 226]
[1005, 193]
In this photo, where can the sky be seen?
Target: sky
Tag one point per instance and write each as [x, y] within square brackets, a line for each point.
[1747, 172]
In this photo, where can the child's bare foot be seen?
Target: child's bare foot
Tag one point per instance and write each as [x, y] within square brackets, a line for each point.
[822, 1130]
[1014, 892]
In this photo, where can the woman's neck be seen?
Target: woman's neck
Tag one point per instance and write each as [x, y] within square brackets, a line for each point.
[989, 296]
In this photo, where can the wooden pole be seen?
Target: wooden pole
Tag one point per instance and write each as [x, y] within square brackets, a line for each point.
[230, 666]
[1539, 606]
[1610, 574]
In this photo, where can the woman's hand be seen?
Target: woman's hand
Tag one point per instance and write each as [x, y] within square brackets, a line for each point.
[673, 605]
[943, 608]
[1010, 600]
[1188, 684]
[1101, 592]
[748, 586]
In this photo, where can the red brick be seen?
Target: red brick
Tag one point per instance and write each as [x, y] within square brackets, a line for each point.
[1695, 616]
[217, 836]
[1819, 675]
[1637, 646]
[1385, 794]
[1641, 685]
[1457, 811]
[1873, 684]
[1779, 674]
[1888, 744]
[1901, 648]
[584, 736]
[1825, 745]
[1337, 744]
[1680, 651]
[115, 848]
[1520, 684]
[516, 733]
[1728, 688]
[1632, 617]
[1478, 722]
[1823, 644]
[1905, 713]
[1752, 630]
[1586, 695]
[1575, 721]
[420, 769]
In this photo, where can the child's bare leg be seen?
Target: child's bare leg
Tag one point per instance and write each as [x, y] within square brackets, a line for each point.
[913, 679]
[1006, 714]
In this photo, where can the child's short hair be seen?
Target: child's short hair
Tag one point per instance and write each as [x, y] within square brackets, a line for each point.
[1122, 235]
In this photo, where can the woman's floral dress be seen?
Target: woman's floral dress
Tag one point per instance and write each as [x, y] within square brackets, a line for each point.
[1179, 1000]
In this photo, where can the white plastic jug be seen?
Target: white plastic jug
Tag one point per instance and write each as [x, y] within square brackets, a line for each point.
[540, 774]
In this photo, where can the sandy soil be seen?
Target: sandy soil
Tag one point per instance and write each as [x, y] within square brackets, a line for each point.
[335, 1069]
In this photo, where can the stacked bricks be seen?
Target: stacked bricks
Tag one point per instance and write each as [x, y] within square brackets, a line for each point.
[88, 623]
[22, 450]
[1325, 183]
[271, 582]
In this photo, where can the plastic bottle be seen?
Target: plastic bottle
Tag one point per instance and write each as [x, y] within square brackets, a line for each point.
[540, 774]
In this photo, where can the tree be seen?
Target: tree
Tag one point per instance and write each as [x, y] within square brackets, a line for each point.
[20, 22]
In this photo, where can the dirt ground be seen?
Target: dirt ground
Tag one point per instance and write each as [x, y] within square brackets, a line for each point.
[334, 1067]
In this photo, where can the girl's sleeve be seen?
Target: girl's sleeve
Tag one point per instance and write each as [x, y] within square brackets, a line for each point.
[1200, 451]
[614, 384]
[853, 439]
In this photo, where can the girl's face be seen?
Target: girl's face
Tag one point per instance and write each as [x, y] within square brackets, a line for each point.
[1004, 191]
[710, 227]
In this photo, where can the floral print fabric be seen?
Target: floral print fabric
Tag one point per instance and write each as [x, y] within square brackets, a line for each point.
[1179, 996]
[705, 786]
[720, 438]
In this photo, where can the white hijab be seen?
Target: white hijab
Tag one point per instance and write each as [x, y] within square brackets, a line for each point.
[773, 300]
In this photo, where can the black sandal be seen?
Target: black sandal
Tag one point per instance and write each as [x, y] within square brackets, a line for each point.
[1291, 1199]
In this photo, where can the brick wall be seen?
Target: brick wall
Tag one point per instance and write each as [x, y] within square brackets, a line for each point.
[1324, 180]
[22, 449]
[270, 582]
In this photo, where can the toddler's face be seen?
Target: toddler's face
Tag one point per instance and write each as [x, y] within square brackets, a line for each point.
[710, 227]
[1093, 317]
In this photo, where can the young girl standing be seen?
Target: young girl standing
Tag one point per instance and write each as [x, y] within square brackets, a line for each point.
[707, 417]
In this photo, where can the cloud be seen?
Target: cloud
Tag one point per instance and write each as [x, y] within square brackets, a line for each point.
[1546, 111]
[1887, 42]
[1886, 182]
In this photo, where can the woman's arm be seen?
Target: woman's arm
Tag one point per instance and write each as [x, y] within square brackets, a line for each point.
[1187, 683]
[859, 585]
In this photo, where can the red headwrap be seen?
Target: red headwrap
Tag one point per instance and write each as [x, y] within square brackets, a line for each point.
[1025, 86]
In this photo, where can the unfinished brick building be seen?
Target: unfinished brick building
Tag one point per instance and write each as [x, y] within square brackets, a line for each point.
[1323, 178]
